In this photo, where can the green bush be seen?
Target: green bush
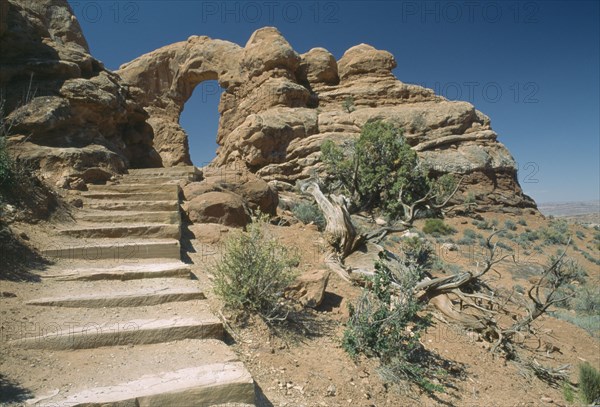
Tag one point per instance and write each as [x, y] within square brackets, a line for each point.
[437, 227]
[589, 383]
[522, 222]
[5, 161]
[556, 233]
[510, 225]
[483, 224]
[308, 213]
[587, 299]
[253, 272]
[348, 105]
[568, 392]
[389, 328]
[378, 166]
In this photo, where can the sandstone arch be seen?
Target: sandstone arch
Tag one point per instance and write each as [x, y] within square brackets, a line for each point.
[165, 79]
[279, 106]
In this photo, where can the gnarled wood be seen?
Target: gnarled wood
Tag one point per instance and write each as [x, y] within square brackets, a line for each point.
[339, 232]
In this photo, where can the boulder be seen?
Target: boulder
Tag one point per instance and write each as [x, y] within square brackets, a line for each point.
[209, 233]
[256, 193]
[71, 111]
[309, 288]
[318, 66]
[225, 208]
[365, 59]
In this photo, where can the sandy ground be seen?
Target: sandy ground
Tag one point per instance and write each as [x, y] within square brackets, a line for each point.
[311, 369]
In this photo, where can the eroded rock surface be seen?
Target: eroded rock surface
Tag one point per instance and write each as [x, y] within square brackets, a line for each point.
[278, 107]
[69, 113]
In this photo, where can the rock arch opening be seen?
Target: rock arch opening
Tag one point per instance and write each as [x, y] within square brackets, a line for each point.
[200, 121]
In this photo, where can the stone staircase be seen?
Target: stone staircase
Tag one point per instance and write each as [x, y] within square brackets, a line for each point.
[122, 309]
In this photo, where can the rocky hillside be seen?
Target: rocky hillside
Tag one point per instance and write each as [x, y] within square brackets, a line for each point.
[75, 120]
[71, 117]
[279, 106]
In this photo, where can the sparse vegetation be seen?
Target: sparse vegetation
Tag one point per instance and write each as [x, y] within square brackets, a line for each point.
[482, 224]
[385, 323]
[589, 383]
[556, 233]
[253, 272]
[381, 170]
[437, 227]
[510, 225]
[309, 213]
[348, 105]
[568, 392]
[469, 237]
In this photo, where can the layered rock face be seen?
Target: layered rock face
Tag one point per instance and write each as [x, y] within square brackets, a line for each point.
[70, 117]
[279, 106]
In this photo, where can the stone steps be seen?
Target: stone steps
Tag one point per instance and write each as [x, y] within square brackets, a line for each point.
[124, 272]
[148, 230]
[163, 217]
[183, 373]
[121, 308]
[161, 180]
[139, 206]
[122, 250]
[131, 332]
[151, 185]
[129, 196]
[175, 172]
[197, 386]
[140, 298]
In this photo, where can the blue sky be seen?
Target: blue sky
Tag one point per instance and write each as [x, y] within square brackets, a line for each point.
[532, 66]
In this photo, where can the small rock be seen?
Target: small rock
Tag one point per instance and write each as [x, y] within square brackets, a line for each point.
[547, 400]
[76, 202]
[23, 236]
[309, 288]
[380, 221]
[331, 391]
[451, 247]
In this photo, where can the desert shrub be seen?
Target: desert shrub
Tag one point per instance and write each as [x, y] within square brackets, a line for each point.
[437, 227]
[482, 224]
[384, 326]
[504, 246]
[589, 383]
[556, 233]
[522, 222]
[253, 272]
[469, 237]
[587, 299]
[6, 165]
[519, 288]
[308, 213]
[417, 251]
[589, 323]
[374, 169]
[510, 225]
[590, 258]
[525, 238]
[348, 105]
[568, 392]
[580, 234]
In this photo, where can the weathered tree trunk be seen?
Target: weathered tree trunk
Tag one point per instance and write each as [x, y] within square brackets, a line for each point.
[339, 232]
